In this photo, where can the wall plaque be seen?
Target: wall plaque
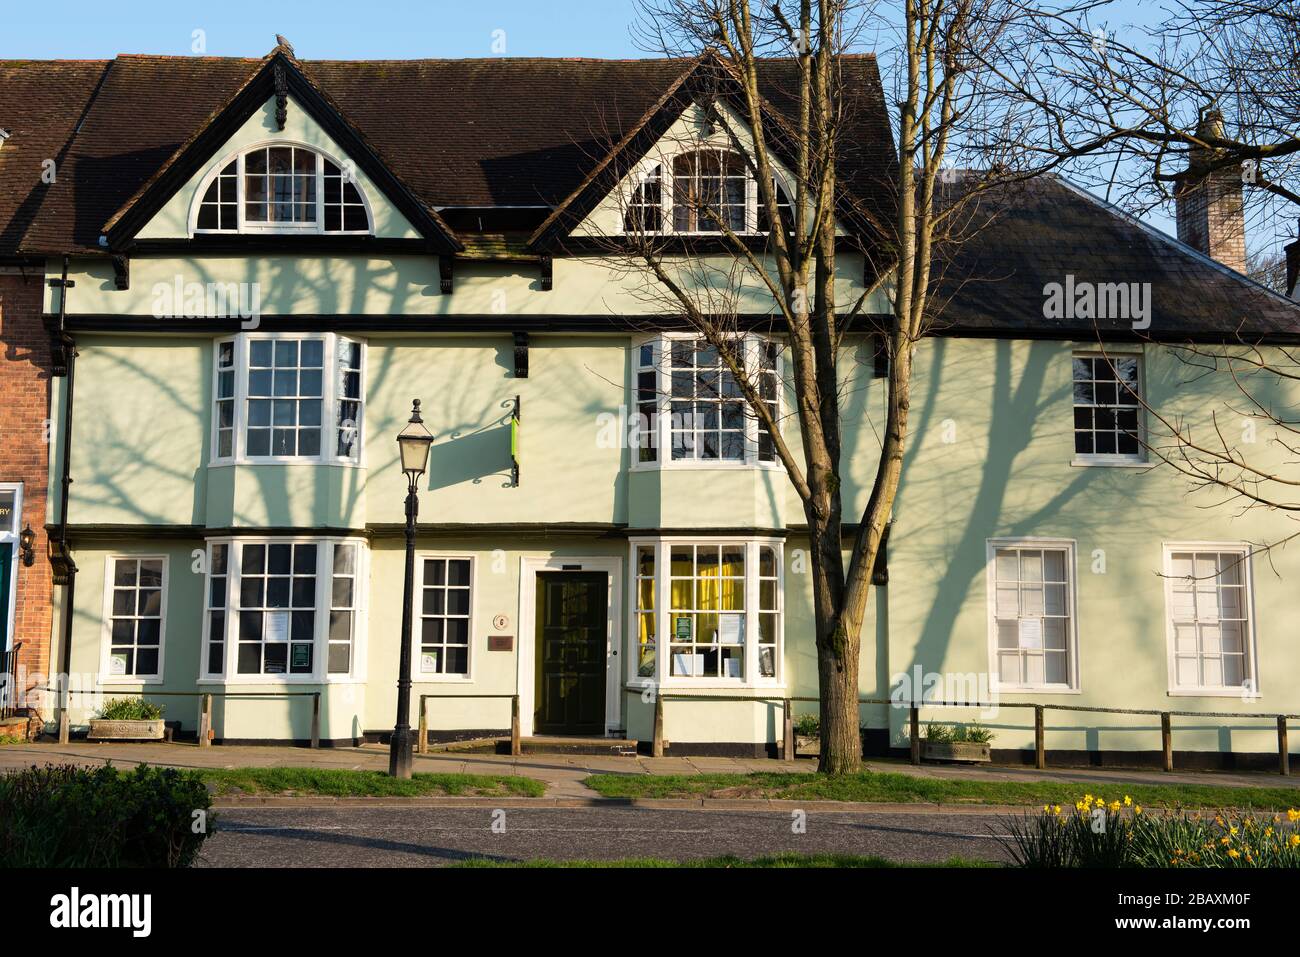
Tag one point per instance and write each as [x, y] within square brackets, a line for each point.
[501, 642]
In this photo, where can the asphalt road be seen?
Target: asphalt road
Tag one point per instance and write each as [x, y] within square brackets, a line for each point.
[436, 837]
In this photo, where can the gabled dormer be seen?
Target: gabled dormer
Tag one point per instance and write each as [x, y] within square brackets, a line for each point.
[278, 165]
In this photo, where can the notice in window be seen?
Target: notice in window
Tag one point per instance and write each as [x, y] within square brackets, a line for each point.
[731, 629]
[682, 627]
[1031, 633]
[429, 663]
[277, 627]
[117, 664]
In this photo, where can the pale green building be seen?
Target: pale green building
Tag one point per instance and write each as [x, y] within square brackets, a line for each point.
[271, 259]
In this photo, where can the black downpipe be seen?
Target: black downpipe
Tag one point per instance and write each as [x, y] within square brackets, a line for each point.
[65, 480]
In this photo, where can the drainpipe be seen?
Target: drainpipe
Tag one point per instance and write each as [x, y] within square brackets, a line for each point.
[69, 567]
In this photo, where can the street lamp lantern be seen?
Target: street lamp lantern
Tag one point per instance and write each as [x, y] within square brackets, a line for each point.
[27, 545]
[413, 443]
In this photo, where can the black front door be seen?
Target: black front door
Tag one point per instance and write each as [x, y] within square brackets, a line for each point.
[571, 630]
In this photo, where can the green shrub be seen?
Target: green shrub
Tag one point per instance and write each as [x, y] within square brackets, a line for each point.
[809, 725]
[68, 816]
[131, 709]
[974, 732]
[938, 733]
[1097, 833]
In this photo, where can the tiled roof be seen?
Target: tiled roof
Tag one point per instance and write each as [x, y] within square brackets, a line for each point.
[40, 104]
[1021, 238]
[482, 132]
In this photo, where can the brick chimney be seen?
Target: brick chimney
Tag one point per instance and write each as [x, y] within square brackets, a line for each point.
[1209, 207]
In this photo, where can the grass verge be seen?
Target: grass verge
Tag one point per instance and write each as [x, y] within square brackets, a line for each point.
[889, 787]
[768, 861]
[340, 782]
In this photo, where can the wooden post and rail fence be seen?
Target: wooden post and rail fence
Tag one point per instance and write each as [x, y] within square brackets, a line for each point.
[914, 721]
[422, 740]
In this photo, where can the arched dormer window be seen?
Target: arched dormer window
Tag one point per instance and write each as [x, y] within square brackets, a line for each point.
[702, 191]
[282, 189]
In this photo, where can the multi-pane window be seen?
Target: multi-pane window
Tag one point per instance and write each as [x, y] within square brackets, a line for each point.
[1032, 614]
[715, 607]
[282, 188]
[225, 399]
[708, 409]
[647, 403]
[1107, 410]
[347, 410]
[135, 618]
[277, 609]
[644, 213]
[709, 419]
[769, 610]
[1209, 618]
[709, 191]
[217, 602]
[707, 611]
[645, 611]
[343, 606]
[784, 210]
[445, 616]
[272, 394]
[285, 393]
[283, 609]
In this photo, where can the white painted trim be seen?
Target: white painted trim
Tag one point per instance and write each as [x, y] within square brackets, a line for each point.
[329, 401]
[1069, 545]
[417, 601]
[525, 676]
[277, 229]
[11, 538]
[106, 621]
[1116, 460]
[663, 637]
[320, 639]
[1246, 550]
[662, 368]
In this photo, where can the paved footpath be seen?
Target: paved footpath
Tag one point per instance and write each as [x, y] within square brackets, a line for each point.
[563, 773]
[396, 836]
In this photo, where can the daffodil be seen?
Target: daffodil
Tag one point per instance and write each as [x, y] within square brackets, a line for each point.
[1294, 840]
[1232, 852]
[1128, 801]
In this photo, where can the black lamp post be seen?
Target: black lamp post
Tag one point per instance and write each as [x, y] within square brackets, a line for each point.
[413, 442]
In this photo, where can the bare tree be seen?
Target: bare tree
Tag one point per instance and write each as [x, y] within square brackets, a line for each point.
[795, 52]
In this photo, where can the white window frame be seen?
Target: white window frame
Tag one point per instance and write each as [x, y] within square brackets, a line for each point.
[283, 229]
[1252, 686]
[663, 163]
[329, 402]
[1069, 546]
[1119, 459]
[106, 625]
[417, 599]
[320, 640]
[10, 536]
[662, 676]
[661, 431]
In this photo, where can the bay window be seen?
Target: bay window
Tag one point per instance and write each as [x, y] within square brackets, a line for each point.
[1207, 597]
[282, 609]
[288, 398]
[715, 605]
[690, 408]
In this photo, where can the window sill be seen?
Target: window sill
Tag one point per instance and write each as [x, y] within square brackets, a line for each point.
[1034, 689]
[421, 679]
[128, 681]
[708, 686]
[275, 680]
[1115, 463]
[283, 460]
[695, 465]
[1212, 693]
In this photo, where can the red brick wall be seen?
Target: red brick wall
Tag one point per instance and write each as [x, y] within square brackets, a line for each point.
[24, 454]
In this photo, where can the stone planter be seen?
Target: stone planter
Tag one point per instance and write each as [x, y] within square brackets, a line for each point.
[808, 744]
[955, 751]
[102, 729]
